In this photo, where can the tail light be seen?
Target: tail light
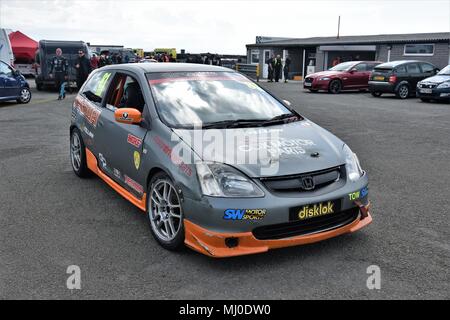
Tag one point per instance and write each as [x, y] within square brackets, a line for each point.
[392, 79]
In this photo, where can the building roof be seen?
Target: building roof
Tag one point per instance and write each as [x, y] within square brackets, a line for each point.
[369, 39]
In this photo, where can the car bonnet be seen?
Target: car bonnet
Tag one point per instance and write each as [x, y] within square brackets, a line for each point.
[294, 148]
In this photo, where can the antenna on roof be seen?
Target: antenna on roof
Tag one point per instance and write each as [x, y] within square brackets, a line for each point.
[339, 26]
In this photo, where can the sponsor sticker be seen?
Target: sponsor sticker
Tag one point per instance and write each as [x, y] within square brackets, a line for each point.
[102, 84]
[102, 160]
[134, 141]
[244, 214]
[117, 173]
[316, 210]
[358, 194]
[89, 111]
[185, 168]
[137, 159]
[133, 184]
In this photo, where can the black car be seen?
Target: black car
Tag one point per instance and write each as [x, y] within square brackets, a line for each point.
[399, 77]
[436, 87]
[13, 85]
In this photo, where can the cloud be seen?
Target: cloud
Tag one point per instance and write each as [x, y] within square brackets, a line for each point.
[215, 26]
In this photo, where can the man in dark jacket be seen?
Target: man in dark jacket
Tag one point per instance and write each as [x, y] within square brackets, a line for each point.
[287, 63]
[270, 65]
[277, 68]
[83, 67]
[60, 67]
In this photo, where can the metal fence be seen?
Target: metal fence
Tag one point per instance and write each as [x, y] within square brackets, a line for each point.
[250, 70]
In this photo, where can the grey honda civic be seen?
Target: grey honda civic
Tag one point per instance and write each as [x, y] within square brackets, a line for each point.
[216, 162]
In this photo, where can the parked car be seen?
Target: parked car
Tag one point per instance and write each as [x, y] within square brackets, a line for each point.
[399, 77]
[131, 123]
[13, 85]
[46, 51]
[436, 87]
[344, 76]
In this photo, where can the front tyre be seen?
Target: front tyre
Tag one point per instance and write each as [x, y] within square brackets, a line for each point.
[78, 154]
[25, 96]
[165, 212]
[335, 86]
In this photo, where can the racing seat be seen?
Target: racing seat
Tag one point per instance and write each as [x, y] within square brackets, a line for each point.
[132, 97]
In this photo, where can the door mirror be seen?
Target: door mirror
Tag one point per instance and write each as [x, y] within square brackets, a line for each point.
[287, 102]
[128, 115]
[352, 71]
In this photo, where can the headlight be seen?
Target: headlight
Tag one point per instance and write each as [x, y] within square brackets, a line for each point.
[324, 79]
[220, 180]
[444, 85]
[354, 171]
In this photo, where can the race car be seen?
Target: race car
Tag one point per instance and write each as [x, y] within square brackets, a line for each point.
[216, 162]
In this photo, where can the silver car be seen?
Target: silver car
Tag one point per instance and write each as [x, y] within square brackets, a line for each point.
[215, 161]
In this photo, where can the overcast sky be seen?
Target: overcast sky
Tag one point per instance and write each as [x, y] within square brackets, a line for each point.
[216, 26]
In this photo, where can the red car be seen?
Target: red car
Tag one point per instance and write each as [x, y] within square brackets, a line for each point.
[344, 76]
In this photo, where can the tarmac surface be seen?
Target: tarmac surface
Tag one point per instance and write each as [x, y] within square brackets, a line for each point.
[50, 219]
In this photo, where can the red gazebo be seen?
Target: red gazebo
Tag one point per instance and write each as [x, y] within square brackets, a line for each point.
[24, 48]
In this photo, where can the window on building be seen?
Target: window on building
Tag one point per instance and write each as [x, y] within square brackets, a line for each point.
[254, 56]
[419, 49]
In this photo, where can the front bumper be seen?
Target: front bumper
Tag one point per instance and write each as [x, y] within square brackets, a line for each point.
[436, 94]
[221, 245]
[316, 84]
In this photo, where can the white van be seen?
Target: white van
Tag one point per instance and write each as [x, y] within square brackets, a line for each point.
[6, 53]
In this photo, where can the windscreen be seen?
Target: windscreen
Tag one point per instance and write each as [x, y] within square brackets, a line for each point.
[343, 66]
[187, 99]
[445, 71]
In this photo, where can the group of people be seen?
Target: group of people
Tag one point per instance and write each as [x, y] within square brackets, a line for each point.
[275, 65]
[59, 70]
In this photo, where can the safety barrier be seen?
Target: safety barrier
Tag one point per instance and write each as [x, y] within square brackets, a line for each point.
[250, 70]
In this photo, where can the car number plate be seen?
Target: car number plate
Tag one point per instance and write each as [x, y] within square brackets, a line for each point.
[378, 78]
[315, 210]
[307, 84]
[426, 91]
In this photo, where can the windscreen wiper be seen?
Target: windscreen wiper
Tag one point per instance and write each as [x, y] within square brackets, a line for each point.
[232, 123]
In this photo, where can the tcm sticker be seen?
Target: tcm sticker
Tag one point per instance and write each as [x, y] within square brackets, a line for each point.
[137, 160]
[358, 194]
[244, 214]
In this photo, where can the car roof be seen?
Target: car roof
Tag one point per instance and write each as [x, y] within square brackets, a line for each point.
[394, 64]
[166, 67]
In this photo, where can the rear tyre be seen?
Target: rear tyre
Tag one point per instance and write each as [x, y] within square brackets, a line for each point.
[25, 96]
[376, 94]
[78, 154]
[165, 212]
[402, 91]
[335, 86]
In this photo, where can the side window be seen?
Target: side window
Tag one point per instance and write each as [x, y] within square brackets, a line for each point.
[371, 66]
[400, 69]
[95, 88]
[5, 69]
[360, 67]
[412, 68]
[125, 93]
[427, 68]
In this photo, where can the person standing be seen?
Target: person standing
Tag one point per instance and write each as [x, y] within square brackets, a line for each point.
[83, 67]
[270, 65]
[287, 63]
[277, 68]
[94, 61]
[60, 67]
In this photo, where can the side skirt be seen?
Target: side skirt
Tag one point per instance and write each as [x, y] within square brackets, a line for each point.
[93, 166]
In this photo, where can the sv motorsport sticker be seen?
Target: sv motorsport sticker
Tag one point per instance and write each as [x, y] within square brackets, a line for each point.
[244, 214]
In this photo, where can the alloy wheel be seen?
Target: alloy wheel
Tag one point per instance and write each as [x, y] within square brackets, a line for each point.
[75, 151]
[165, 212]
